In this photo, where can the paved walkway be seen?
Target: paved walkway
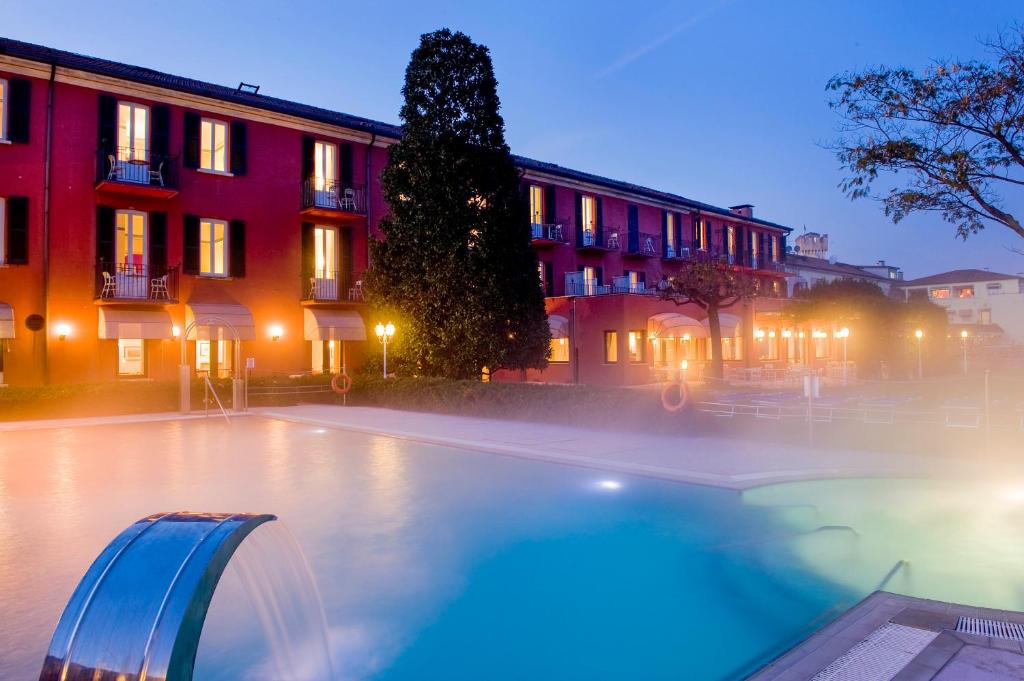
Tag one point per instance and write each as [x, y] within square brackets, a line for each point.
[731, 463]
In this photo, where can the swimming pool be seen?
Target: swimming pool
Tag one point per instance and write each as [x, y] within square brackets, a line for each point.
[446, 564]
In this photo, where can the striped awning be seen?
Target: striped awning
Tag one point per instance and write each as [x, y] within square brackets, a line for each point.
[145, 324]
[328, 325]
[219, 321]
[6, 321]
[674, 325]
[559, 326]
[731, 325]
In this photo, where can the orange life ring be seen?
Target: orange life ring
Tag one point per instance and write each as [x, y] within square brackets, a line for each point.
[346, 381]
[684, 395]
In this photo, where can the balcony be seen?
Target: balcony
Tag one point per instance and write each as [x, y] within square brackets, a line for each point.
[597, 242]
[640, 245]
[677, 251]
[136, 172]
[135, 283]
[334, 287]
[333, 200]
[624, 285]
[547, 235]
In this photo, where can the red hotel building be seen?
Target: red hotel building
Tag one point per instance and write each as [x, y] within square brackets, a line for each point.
[134, 203]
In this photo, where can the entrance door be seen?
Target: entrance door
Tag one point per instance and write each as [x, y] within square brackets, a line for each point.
[133, 142]
[325, 245]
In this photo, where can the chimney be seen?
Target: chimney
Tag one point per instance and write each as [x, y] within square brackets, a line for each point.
[745, 210]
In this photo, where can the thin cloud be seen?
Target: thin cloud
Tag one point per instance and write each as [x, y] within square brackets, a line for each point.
[631, 57]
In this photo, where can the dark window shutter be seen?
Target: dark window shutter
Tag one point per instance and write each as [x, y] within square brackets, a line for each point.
[190, 245]
[633, 228]
[158, 244]
[191, 156]
[642, 276]
[17, 230]
[345, 161]
[308, 151]
[550, 215]
[599, 218]
[599, 275]
[236, 236]
[782, 248]
[19, 111]
[161, 132]
[579, 219]
[239, 148]
[308, 245]
[549, 279]
[105, 219]
[106, 133]
[346, 260]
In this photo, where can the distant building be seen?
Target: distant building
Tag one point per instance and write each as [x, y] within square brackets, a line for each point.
[884, 270]
[807, 271]
[812, 244]
[986, 304]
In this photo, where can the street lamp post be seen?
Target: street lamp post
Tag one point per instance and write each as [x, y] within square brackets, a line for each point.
[385, 332]
[963, 340]
[844, 333]
[919, 334]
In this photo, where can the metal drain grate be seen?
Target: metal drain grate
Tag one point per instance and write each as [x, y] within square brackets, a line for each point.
[992, 628]
[880, 656]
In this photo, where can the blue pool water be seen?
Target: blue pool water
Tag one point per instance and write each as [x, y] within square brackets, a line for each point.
[445, 564]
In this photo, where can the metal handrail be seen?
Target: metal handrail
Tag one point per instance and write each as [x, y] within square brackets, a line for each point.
[208, 388]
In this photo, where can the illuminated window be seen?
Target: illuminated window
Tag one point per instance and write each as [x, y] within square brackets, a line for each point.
[131, 357]
[536, 205]
[132, 132]
[131, 242]
[611, 346]
[634, 281]
[767, 342]
[327, 357]
[588, 216]
[730, 240]
[3, 228]
[213, 238]
[939, 293]
[325, 157]
[993, 286]
[213, 145]
[3, 111]
[702, 235]
[636, 341]
[964, 291]
[670, 233]
[755, 245]
[203, 356]
[559, 350]
[775, 248]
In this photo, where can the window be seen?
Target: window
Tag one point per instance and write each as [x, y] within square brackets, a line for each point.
[775, 248]
[755, 244]
[327, 357]
[559, 350]
[205, 352]
[536, 205]
[325, 157]
[131, 242]
[213, 145]
[636, 341]
[213, 251]
[131, 357]
[611, 347]
[132, 131]
[588, 215]
[3, 229]
[3, 112]
[939, 293]
[634, 282]
[984, 316]
[590, 282]
[730, 240]
[964, 291]
[670, 234]
[702, 235]
[991, 286]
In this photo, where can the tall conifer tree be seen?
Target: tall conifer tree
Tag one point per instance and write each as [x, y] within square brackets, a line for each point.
[455, 260]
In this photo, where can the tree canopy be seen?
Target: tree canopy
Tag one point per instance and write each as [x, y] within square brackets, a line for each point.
[455, 260]
[711, 284]
[949, 137]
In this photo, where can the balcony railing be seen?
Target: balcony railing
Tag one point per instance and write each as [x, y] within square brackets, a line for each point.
[132, 166]
[333, 286]
[624, 285]
[643, 245]
[548, 232]
[609, 239]
[333, 195]
[125, 281]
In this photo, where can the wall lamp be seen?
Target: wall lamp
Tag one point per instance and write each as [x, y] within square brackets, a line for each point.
[276, 332]
[63, 330]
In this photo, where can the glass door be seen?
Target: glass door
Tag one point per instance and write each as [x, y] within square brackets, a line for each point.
[131, 255]
[325, 274]
[132, 142]
[325, 185]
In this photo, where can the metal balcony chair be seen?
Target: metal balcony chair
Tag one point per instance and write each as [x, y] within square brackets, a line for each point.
[158, 288]
[157, 175]
[613, 241]
[348, 200]
[116, 171]
[109, 286]
[356, 292]
[648, 246]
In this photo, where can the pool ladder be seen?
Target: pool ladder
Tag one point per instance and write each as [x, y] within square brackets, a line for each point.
[207, 390]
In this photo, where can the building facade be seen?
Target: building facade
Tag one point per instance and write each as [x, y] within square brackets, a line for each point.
[987, 305]
[145, 216]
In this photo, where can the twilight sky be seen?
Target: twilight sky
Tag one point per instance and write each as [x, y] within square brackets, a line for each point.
[719, 100]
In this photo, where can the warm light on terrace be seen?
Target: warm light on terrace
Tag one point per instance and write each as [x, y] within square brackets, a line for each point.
[384, 330]
[919, 334]
[63, 330]
[176, 331]
[964, 334]
[843, 333]
[759, 334]
[787, 333]
[276, 331]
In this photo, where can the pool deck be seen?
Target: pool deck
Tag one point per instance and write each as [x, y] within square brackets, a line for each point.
[719, 462]
[888, 636]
